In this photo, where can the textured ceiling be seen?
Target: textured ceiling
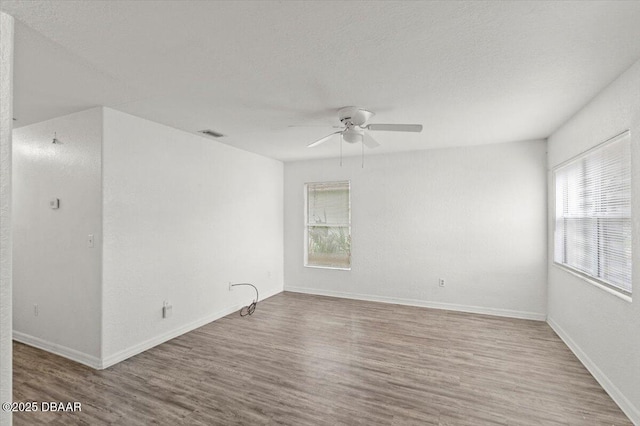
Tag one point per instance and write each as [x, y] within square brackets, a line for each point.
[470, 72]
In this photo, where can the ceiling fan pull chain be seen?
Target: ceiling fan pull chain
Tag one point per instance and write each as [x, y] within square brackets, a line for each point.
[363, 151]
[341, 150]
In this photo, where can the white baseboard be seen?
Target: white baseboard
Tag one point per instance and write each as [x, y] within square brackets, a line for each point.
[63, 351]
[99, 364]
[618, 397]
[154, 341]
[425, 304]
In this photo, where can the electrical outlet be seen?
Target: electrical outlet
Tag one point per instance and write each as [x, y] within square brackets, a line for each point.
[441, 282]
[35, 310]
[167, 310]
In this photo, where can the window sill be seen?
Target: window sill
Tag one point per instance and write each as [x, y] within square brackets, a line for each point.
[609, 290]
[327, 267]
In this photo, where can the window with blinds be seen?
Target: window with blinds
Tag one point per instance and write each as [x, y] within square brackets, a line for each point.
[328, 225]
[593, 214]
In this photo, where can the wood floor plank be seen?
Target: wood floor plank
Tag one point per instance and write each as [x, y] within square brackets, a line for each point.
[313, 360]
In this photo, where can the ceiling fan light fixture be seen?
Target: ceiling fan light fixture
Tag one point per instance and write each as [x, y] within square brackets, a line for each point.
[352, 136]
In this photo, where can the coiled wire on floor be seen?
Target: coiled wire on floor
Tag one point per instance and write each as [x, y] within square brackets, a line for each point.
[248, 310]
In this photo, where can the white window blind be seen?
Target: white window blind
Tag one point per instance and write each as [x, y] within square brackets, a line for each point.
[593, 214]
[328, 225]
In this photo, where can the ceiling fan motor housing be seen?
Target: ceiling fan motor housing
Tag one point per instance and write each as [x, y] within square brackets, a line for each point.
[354, 115]
[353, 118]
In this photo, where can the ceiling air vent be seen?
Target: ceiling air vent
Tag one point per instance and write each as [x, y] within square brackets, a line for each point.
[211, 133]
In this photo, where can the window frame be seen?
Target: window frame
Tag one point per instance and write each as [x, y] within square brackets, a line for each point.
[596, 281]
[307, 225]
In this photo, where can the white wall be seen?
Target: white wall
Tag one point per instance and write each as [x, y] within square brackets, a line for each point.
[6, 115]
[53, 265]
[602, 329]
[473, 216]
[183, 215]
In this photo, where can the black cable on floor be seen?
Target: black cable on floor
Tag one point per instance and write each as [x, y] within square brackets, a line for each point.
[248, 310]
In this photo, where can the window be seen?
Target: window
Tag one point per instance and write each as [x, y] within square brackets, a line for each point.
[328, 225]
[593, 214]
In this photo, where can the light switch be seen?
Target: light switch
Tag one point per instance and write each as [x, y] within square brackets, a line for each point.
[54, 203]
[90, 241]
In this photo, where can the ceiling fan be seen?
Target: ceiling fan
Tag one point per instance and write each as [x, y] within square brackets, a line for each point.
[354, 120]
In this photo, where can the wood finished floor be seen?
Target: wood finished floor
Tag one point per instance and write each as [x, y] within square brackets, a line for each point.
[312, 360]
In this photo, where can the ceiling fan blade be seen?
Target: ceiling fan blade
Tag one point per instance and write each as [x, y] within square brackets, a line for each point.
[326, 126]
[369, 141]
[326, 138]
[396, 127]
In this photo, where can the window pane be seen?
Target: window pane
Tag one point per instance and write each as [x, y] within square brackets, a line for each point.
[582, 244]
[593, 214]
[328, 203]
[329, 246]
[615, 267]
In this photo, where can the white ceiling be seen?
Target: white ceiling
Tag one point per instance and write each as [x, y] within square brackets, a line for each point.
[470, 72]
